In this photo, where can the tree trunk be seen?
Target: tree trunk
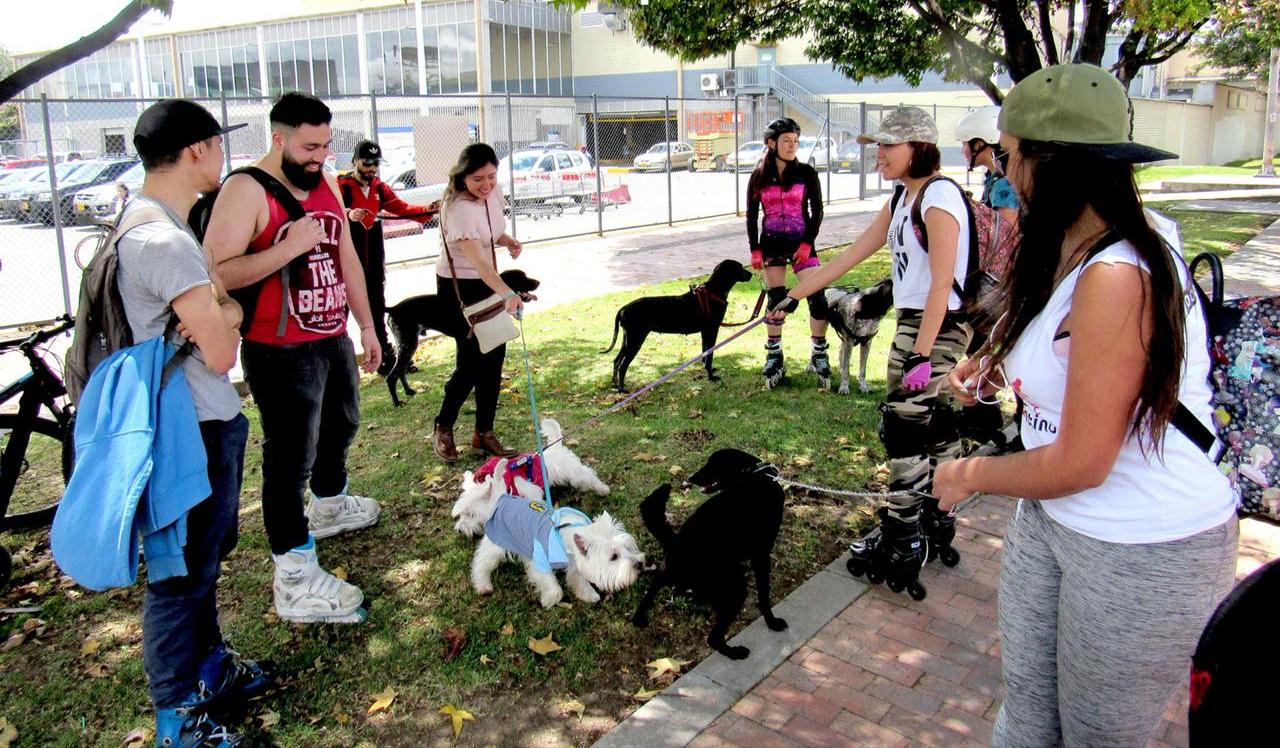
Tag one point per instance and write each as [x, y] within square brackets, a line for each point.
[1021, 52]
[33, 72]
[1093, 37]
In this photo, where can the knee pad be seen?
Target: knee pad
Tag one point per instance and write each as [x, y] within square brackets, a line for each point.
[943, 426]
[818, 305]
[776, 295]
[902, 437]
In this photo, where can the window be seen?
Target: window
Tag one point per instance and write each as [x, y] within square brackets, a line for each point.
[218, 62]
[317, 56]
[563, 160]
[547, 164]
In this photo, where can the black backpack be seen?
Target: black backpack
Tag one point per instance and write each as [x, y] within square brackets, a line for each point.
[247, 297]
[102, 327]
[971, 289]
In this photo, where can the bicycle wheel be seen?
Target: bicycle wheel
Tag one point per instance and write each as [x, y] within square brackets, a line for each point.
[86, 248]
[41, 472]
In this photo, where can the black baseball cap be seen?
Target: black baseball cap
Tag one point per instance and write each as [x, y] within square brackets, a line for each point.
[368, 150]
[170, 125]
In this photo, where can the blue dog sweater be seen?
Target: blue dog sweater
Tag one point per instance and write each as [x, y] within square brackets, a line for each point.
[525, 527]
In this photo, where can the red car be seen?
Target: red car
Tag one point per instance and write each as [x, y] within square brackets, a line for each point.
[19, 163]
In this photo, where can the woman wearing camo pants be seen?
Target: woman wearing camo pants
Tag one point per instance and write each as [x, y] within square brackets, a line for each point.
[1125, 537]
[926, 226]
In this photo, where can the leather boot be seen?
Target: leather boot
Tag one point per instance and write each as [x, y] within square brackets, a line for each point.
[488, 442]
[443, 438]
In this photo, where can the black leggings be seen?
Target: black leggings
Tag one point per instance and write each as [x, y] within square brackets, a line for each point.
[473, 369]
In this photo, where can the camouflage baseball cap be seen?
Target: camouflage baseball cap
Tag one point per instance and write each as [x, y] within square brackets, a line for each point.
[906, 124]
[1080, 105]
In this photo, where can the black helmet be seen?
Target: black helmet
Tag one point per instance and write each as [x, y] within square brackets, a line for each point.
[779, 126]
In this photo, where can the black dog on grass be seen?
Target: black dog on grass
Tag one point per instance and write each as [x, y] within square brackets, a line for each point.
[736, 526]
[700, 310]
[414, 316]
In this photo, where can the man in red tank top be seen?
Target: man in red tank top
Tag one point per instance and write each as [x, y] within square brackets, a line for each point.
[303, 275]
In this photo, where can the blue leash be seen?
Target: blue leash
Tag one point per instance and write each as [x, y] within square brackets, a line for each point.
[537, 424]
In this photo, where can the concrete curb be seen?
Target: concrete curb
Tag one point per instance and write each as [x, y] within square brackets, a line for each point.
[688, 706]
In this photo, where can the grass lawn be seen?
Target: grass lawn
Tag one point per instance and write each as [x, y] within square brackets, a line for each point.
[71, 673]
[1220, 233]
[1149, 174]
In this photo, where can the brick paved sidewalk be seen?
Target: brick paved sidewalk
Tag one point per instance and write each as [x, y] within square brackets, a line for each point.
[888, 671]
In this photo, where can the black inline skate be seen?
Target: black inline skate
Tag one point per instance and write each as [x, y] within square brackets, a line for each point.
[939, 530]
[820, 364]
[775, 369]
[893, 552]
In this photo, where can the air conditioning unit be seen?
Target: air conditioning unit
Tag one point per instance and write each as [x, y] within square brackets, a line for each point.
[710, 82]
[730, 78]
[615, 22]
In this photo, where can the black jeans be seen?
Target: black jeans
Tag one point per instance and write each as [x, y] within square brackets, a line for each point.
[180, 614]
[309, 404]
[373, 258]
[473, 369]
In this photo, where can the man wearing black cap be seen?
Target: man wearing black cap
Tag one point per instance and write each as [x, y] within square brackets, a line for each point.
[163, 271]
[365, 197]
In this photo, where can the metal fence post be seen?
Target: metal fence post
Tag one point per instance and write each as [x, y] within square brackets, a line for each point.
[737, 192]
[666, 130]
[862, 152]
[56, 201]
[511, 163]
[226, 146]
[829, 164]
[595, 147]
[373, 116]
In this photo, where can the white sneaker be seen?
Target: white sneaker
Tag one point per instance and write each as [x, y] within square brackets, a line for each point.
[306, 593]
[341, 513]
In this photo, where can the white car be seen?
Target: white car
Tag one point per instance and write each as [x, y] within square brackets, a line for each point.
[816, 151]
[655, 159]
[748, 155]
[97, 203]
[545, 175]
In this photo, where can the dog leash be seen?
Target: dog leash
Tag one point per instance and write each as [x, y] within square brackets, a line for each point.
[754, 312]
[537, 427]
[879, 496]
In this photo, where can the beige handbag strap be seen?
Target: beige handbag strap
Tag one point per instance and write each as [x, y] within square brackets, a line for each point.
[453, 272]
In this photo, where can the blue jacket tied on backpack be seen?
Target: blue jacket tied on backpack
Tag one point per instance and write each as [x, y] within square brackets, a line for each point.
[140, 467]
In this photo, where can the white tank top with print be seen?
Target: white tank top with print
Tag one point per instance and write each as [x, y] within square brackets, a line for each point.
[1145, 499]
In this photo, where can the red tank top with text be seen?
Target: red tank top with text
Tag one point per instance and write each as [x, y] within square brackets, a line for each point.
[317, 293]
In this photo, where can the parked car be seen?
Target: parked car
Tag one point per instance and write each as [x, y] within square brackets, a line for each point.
[815, 151]
[92, 173]
[20, 202]
[544, 175]
[655, 159]
[97, 202]
[548, 145]
[15, 186]
[848, 158]
[746, 157]
[22, 163]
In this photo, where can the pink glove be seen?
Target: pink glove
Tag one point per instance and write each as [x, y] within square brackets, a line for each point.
[803, 253]
[917, 371]
[757, 259]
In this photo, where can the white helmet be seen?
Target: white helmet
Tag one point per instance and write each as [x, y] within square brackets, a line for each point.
[981, 124]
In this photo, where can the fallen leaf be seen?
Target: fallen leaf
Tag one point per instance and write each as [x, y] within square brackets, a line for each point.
[135, 739]
[486, 660]
[382, 700]
[8, 733]
[573, 706]
[507, 630]
[543, 646]
[454, 640]
[90, 647]
[31, 624]
[15, 640]
[645, 695]
[664, 666]
[801, 461]
[695, 414]
[566, 606]
[341, 718]
[269, 719]
[456, 717]
[96, 670]
[644, 457]
[340, 573]
[675, 470]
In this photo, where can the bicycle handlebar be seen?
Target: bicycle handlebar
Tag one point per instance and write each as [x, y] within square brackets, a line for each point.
[65, 322]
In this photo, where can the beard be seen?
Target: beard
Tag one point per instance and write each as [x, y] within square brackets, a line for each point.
[297, 174]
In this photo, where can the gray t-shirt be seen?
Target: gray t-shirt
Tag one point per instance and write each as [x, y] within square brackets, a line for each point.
[158, 263]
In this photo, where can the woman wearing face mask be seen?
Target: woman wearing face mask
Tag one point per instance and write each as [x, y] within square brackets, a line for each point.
[472, 225]
[1124, 538]
[791, 198]
[931, 336]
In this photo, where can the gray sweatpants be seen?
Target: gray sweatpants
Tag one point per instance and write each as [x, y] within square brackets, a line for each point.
[1095, 636]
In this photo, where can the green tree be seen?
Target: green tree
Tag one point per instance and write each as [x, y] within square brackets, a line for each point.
[9, 125]
[1240, 37]
[965, 40]
[15, 81]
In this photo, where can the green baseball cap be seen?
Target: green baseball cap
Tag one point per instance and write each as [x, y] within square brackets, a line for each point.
[1078, 105]
[906, 124]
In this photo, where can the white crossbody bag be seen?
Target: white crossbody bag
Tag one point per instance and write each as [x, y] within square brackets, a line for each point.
[488, 318]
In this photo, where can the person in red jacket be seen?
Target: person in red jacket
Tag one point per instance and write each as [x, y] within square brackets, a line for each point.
[366, 198]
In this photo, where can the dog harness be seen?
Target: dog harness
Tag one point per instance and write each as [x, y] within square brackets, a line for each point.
[525, 527]
[706, 299]
[527, 466]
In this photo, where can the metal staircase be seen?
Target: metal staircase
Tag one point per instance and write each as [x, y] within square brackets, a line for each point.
[767, 80]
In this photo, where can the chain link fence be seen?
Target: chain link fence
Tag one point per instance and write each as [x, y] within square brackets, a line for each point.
[570, 167]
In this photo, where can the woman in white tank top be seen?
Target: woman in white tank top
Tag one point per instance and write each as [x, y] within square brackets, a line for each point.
[1125, 536]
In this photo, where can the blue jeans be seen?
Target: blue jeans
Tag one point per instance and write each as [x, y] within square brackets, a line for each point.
[308, 397]
[180, 614]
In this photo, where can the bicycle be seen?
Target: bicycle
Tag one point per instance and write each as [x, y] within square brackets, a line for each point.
[36, 445]
[87, 248]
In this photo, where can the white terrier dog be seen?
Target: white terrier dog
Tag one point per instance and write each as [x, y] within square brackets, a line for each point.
[598, 555]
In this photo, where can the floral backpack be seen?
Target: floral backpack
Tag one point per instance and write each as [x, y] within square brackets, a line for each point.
[1244, 351]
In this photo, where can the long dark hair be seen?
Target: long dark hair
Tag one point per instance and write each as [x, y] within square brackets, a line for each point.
[472, 158]
[766, 172]
[1064, 180]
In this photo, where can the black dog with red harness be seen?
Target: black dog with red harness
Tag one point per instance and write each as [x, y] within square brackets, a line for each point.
[700, 310]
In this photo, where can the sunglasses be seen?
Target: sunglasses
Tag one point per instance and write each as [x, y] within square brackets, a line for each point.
[991, 378]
